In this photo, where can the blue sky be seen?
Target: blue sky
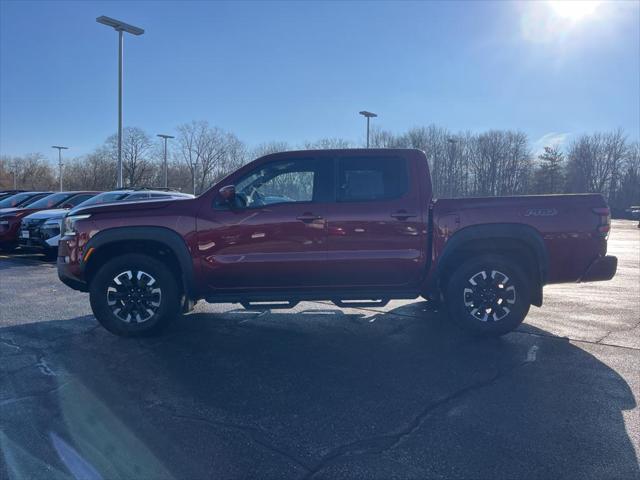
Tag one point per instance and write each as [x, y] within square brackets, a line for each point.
[292, 71]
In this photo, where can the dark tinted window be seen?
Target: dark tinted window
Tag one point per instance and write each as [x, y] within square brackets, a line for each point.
[78, 199]
[50, 201]
[106, 197]
[138, 196]
[15, 200]
[365, 179]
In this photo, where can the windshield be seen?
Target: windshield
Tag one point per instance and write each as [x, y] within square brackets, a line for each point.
[16, 200]
[51, 201]
[106, 197]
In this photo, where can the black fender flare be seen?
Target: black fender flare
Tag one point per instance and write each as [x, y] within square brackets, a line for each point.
[516, 231]
[169, 238]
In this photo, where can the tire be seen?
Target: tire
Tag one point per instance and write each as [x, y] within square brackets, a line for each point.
[8, 248]
[497, 303]
[134, 295]
[50, 254]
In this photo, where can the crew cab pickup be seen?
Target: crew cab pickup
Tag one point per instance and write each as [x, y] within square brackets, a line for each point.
[356, 227]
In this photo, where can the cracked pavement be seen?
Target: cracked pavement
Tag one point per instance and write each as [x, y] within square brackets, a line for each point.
[321, 392]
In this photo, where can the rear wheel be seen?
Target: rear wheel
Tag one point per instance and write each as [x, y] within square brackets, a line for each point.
[134, 295]
[488, 295]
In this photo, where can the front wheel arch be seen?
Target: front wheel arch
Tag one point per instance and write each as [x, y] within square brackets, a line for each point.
[161, 243]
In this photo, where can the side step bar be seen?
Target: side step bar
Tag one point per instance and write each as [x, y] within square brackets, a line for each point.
[268, 305]
[291, 304]
[360, 303]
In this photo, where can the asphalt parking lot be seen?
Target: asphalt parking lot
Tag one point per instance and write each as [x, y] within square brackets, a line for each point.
[321, 392]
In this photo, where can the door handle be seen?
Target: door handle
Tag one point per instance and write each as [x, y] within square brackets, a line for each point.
[308, 217]
[403, 215]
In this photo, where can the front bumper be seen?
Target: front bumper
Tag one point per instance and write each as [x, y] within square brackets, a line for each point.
[70, 275]
[602, 268]
[38, 236]
[9, 233]
[70, 272]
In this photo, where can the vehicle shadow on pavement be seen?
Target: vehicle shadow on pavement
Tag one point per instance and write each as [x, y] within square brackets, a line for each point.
[317, 393]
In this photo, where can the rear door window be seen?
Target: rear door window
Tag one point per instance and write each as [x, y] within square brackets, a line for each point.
[364, 179]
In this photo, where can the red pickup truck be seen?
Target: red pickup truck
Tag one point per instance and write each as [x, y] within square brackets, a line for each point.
[357, 227]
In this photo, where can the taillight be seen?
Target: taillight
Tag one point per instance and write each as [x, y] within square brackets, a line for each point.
[604, 225]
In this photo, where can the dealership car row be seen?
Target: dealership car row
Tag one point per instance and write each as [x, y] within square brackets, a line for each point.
[32, 220]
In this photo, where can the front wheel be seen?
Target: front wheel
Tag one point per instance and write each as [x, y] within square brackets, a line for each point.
[134, 295]
[488, 296]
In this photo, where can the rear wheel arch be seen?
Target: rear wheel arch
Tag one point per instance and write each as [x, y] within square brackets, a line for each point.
[518, 243]
[160, 243]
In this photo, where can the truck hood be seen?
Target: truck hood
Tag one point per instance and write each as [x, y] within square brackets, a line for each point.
[127, 206]
[48, 214]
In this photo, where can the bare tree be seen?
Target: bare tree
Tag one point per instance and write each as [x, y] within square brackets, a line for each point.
[209, 153]
[137, 148]
[191, 140]
[383, 138]
[270, 147]
[95, 171]
[628, 191]
[32, 172]
[595, 161]
[501, 163]
[327, 144]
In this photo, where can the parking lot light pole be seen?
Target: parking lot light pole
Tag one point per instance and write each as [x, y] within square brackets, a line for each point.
[60, 161]
[368, 115]
[166, 168]
[120, 27]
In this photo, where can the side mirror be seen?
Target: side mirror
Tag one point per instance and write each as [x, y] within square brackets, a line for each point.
[228, 193]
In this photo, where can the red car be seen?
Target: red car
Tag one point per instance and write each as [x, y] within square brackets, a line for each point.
[357, 227]
[10, 218]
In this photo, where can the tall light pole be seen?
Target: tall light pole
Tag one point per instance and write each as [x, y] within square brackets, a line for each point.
[60, 160]
[120, 27]
[166, 168]
[369, 116]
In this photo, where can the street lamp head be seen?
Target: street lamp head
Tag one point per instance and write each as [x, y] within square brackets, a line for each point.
[368, 114]
[161, 135]
[119, 26]
[59, 147]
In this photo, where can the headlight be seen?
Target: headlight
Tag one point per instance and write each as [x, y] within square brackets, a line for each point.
[5, 220]
[70, 223]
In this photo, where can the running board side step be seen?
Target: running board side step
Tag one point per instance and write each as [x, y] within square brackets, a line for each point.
[268, 305]
[360, 303]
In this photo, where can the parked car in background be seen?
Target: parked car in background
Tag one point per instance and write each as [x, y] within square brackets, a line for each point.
[40, 231]
[8, 193]
[11, 218]
[357, 227]
[633, 212]
[20, 200]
